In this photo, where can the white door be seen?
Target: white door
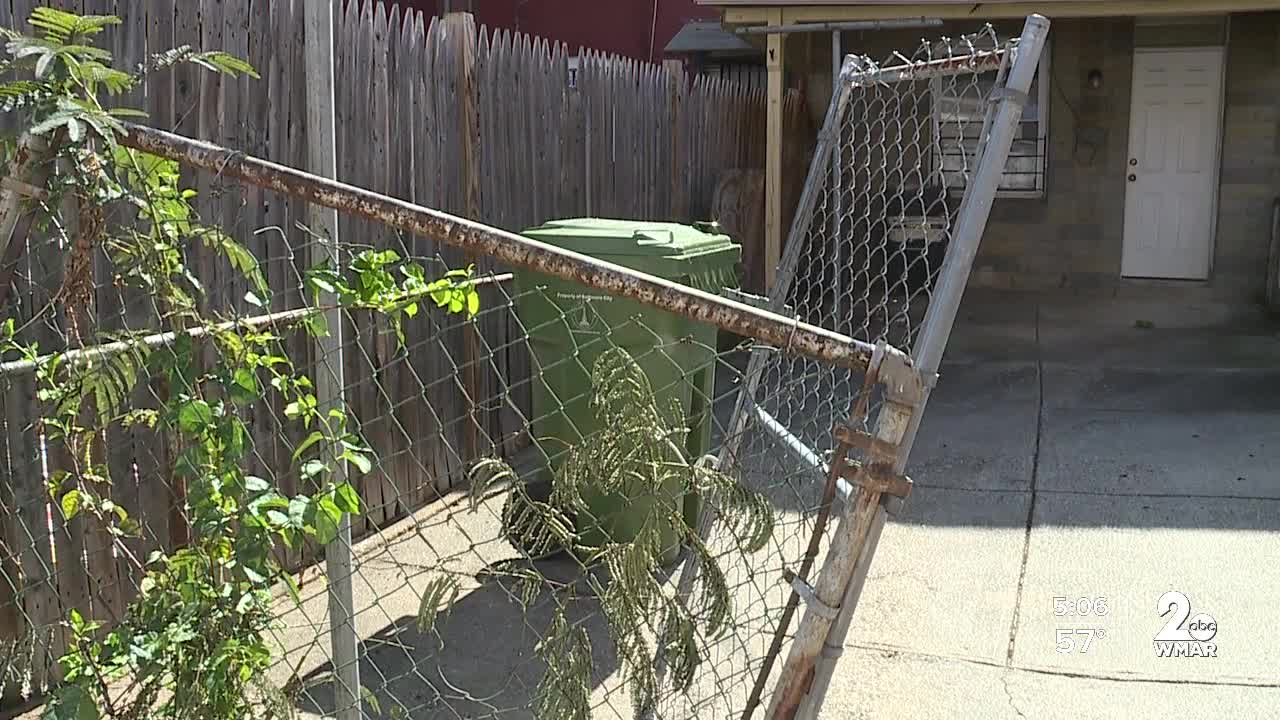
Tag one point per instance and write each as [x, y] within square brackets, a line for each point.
[1175, 132]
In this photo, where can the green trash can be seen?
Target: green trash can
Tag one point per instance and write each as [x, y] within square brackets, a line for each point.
[564, 319]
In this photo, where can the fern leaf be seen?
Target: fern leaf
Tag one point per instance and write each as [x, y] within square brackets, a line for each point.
[107, 382]
[165, 59]
[215, 61]
[565, 692]
[225, 63]
[22, 88]
[632, 645]
[113, 80]
[56, 24]
[44, 63]
[25, 47]
[640, 452]
[537, 528]
[89, 25]
[75, 130]
[621, 390]
[483, 475]
[370, 700]
[438, 598]
[750, 516]
[62, 27]
[526, 583]
[85, 52]
[713, 589]
[681, 646]
[18, 101]
[128, 113]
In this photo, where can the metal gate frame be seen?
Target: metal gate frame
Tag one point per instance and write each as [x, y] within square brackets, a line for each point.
[801, 690]
[876, 489]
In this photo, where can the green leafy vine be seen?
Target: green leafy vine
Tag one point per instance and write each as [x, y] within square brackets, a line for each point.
[640, 454]
[193, 642]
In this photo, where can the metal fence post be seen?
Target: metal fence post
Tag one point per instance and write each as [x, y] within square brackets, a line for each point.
[322, 158]
[837, 178]
[971, 221]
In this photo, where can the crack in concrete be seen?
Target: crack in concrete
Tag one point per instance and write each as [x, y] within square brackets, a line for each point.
[1004, 681]
[1031, 506]
[896, 651]
[1095, 493]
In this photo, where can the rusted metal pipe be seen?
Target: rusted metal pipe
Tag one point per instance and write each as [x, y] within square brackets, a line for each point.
[789, 335]
[85, 355]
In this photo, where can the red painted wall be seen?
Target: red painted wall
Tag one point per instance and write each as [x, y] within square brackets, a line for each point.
[625, 27]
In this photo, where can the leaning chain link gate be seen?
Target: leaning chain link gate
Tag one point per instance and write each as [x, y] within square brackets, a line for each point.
[464, 602]
[835, 218]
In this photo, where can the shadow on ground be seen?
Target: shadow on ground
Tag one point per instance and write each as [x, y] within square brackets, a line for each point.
[480, 662]
[1069, 400]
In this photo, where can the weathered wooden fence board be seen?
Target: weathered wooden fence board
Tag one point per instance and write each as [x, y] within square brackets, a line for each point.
[277, 264]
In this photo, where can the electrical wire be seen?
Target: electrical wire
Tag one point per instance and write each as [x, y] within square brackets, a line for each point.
[1075, 120]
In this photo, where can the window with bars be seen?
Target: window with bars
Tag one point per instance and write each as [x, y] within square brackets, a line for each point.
[958, 124]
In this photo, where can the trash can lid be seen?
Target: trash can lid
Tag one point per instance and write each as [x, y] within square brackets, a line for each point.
[600, 237]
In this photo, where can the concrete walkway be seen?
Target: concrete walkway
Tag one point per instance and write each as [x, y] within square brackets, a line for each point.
[1081, 450]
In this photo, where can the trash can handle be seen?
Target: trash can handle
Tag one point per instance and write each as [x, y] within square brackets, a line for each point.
[652, 236]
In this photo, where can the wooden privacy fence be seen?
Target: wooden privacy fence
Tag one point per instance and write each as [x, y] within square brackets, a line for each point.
[501, 127]
[512, 130]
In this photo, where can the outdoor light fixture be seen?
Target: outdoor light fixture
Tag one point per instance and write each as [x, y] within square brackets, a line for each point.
[1095, 79]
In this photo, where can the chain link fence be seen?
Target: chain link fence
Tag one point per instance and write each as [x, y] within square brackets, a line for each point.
[584, 491]
[874, 227]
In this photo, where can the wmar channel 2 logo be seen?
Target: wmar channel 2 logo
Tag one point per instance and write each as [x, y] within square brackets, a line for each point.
[1184, 634]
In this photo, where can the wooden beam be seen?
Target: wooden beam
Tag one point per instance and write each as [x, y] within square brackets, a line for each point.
[746, 15]
[775, 58]
[757, 13]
